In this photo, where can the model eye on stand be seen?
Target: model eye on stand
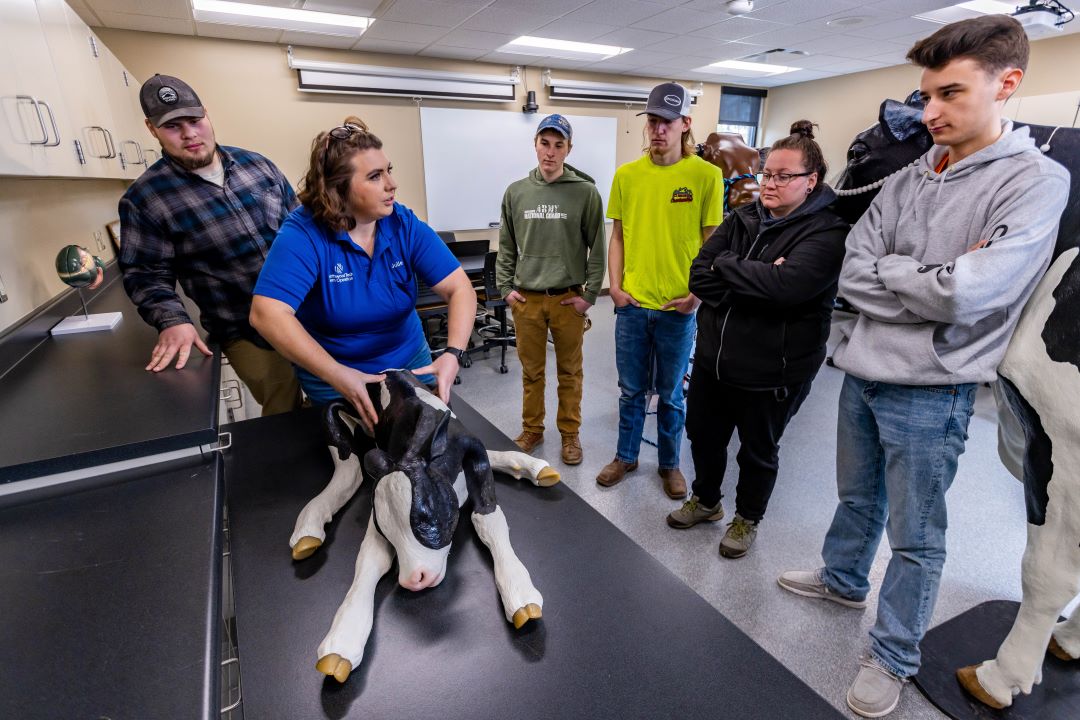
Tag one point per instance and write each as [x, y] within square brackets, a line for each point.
[79, 269]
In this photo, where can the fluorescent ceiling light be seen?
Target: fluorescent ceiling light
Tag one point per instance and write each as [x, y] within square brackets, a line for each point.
[567, 49]
[279, 18]
[741, 68]
[967, 10]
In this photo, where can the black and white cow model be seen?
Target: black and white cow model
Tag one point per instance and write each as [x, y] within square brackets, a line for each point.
[1038, 405]
[425, 466]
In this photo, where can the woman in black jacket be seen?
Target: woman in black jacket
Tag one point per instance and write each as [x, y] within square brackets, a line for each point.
[766, 278]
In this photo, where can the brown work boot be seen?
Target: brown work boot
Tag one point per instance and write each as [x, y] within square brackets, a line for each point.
[614, 472]
[528, 440]
[571, 450]
[674, 483]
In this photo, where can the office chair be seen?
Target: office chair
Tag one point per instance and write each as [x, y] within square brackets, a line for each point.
[447, 236]
[493, 335]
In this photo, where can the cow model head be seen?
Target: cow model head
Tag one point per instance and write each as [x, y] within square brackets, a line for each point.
[895, 141]
[740, 164]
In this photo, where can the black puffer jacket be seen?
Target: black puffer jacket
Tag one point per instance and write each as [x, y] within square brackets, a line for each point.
[761, 325]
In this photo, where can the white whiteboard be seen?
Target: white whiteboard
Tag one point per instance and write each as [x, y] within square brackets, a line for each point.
[471, 156]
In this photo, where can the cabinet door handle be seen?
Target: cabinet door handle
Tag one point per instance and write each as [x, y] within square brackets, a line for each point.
[41, 121]
[52, 121]
[138, 153]
[108, 143]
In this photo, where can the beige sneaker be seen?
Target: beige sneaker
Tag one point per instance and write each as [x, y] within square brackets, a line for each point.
[738, 538]
[693, 512]
[571, 450]
[528, 440]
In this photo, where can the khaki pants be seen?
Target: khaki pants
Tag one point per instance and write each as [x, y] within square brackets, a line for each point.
[532, 320]
[268, 375]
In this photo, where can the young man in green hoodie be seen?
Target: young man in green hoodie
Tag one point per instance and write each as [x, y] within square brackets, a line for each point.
[550, 270]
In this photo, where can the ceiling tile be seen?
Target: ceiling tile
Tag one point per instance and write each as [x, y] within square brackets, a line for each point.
[157, 8]
[508, 20]
[633, 37]
[341, 42]
[564, 29]
[404, 32]
[634, 59]
[688, 45]
[514, 59]
[736, 28]
[890, 58]
[235, 32]
[735, 50]
[475, 39]
[146, 23]
[369, 44]
[562, 64]
[431, 12]
[794, 12]
[847, 65]
[865, 50]
[913, 7]
[363, 8]
[617, 12]
[785, 36]
[898, 28]
[678, 20]
[558, 7]
[452, 53]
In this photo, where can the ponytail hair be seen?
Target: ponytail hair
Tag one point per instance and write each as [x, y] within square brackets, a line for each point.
[324, 189]
[802, 139]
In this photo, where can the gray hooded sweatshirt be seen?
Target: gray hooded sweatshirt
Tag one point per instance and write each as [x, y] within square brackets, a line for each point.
[930, 311]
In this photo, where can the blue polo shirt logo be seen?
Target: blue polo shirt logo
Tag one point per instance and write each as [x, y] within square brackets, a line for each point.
[397, 264]
[339, 275]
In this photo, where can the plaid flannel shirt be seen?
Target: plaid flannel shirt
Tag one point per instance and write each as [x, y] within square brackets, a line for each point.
[174, 225]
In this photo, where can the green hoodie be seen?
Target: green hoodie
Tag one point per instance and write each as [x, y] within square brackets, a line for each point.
[552, 234]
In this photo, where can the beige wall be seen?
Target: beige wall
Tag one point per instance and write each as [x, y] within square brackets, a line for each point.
[37, 218]
[847, 105]
[252, 97]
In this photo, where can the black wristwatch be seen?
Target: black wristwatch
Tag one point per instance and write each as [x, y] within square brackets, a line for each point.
[456, 352]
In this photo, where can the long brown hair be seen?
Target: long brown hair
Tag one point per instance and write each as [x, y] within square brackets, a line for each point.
[325, 187]
[802, 139]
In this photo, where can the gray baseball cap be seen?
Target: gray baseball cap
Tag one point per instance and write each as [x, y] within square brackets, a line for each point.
[669, 101]
[164, 98]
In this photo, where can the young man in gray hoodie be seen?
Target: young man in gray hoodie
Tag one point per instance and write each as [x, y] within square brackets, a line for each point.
[550, 270]
[939, 268]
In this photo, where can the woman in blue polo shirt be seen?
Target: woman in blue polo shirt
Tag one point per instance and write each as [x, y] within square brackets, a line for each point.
[337, 291]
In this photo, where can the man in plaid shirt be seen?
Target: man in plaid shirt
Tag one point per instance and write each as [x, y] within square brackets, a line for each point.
[206, 215]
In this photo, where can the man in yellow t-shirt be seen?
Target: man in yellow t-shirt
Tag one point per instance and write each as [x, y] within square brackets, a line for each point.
[664, 204]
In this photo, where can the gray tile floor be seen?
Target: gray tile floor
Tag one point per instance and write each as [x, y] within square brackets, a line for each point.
[818, 641]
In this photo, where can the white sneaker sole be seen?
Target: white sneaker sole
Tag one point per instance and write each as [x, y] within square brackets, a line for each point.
[857, 604]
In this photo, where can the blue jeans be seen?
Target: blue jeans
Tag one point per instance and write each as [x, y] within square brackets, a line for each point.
[646, 340]
[320, 392]
[896, 452]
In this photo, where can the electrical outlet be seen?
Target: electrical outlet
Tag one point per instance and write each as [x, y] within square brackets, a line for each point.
[98, 242]
[3, 291]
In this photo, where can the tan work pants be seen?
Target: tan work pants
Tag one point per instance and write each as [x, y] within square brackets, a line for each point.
[532, 321]
[268, 375]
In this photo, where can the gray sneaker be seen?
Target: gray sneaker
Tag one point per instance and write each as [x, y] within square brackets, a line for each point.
[876, 691]
[738, 538]
[693, 512]
[808, 583]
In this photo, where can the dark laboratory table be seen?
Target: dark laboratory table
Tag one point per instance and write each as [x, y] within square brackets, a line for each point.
[110, 597]
[621, 636]
[83, 400]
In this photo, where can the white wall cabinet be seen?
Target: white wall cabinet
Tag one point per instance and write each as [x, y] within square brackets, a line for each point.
[66, 106]
[33, 122]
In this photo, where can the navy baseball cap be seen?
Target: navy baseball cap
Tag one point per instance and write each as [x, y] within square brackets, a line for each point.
[164, 98]
[557, 123]
[670, 101]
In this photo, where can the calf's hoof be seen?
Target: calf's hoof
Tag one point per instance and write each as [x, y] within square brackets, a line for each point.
[970, 682]
[525, 614]
[305, 546]
[1058, 651]
[547, 477]
[334, 665]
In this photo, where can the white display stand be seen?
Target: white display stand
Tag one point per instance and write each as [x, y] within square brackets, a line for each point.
[87, 323]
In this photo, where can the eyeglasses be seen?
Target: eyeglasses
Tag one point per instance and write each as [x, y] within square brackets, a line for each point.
[781, 179]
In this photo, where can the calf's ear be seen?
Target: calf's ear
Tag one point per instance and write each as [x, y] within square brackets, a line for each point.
[378, 464]
[338, 433]
[901, 120]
